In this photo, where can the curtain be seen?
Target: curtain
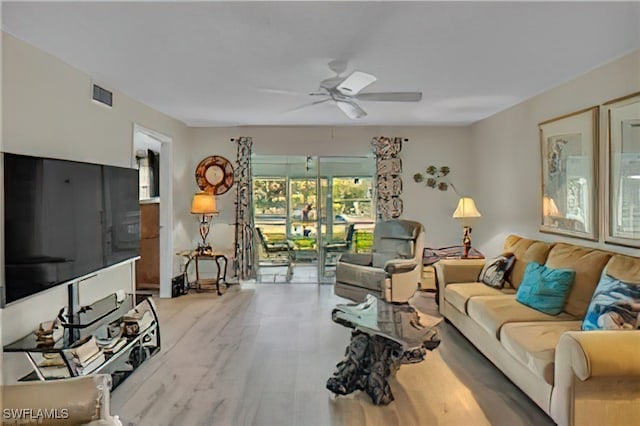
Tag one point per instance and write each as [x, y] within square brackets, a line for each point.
[244, 265]
[388, 177]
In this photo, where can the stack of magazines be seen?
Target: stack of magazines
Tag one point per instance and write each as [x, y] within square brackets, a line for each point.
[112, 345]
[88, 356]
[52, 366]
[136, 321]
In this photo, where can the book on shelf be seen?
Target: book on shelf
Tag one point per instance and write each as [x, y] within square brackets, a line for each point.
[54, 372]
[120, 343]
[90, 365]
[86, 351]
[52, 361]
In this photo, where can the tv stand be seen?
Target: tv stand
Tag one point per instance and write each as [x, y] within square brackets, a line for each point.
[103, 321]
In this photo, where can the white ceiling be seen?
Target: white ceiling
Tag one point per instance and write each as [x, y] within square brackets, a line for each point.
[218, 63]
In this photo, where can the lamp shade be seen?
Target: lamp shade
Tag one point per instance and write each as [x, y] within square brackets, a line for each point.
[203, 203]
[466, 209]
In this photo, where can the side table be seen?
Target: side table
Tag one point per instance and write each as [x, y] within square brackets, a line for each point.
[222, 270]
[220, 260]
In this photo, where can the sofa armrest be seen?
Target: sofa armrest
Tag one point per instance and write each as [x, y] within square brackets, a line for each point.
[400, 266]
[78, 400]
[449, 271]
[597, 378]
[600, 353]
[363, 259]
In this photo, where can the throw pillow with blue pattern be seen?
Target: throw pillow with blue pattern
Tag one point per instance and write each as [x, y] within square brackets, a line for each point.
[614, 306]
[545, 289]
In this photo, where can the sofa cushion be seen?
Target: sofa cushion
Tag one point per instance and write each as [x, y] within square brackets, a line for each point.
[496, 271]
[361, 276]
[545, 289]
[624, 268]
[615, 305]
[459, 294]
[534, 343]
[588, 264]
[524, 251]
[492, 312]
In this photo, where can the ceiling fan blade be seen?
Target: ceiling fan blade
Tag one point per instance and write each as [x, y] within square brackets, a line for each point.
[280, 91]
[356, 81]
[390, 96]
[351, 110]
[307, 105]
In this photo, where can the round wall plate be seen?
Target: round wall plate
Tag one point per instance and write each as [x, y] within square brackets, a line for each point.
[214, 175]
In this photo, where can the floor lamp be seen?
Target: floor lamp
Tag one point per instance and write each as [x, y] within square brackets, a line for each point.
[466, 212]
[205, 205]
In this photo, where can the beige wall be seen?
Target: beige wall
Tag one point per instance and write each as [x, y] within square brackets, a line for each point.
[507, 153]
[51, 114]
[427, 145]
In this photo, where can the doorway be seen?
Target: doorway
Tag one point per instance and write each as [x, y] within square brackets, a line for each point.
[153, 156]
[320, 207]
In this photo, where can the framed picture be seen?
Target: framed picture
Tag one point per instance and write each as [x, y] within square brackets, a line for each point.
[569, 148]
[622, 177]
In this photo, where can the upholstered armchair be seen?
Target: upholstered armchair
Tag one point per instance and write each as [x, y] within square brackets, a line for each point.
[391, 271]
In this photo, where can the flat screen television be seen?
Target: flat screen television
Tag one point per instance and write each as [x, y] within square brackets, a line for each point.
[64, 220]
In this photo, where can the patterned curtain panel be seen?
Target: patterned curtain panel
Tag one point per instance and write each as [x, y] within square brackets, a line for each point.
[244, 266]
[388, 177]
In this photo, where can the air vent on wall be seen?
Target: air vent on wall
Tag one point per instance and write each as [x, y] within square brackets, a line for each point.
[102, 95]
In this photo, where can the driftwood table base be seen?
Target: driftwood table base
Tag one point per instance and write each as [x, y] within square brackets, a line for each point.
[384, 336]
[369, 362]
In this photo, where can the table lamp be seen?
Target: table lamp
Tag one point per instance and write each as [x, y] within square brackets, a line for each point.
[466, 211]
[205, 205]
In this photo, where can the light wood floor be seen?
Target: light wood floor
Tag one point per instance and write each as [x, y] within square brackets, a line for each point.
[261, 355]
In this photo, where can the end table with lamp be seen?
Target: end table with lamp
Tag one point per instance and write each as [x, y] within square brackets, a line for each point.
[467, 212]
[204, 204]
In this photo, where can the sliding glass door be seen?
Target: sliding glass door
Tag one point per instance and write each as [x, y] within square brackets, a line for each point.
[323, 206]
[347, 209]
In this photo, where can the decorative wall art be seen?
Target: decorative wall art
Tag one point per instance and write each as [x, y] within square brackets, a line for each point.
[622, 177]
[214, 175]
[388, 177]
[569, 147]
[435, 177]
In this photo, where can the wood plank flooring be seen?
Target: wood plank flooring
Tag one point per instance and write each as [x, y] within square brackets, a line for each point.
[261, 354]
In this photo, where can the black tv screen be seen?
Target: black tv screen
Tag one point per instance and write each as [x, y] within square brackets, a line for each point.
[65, 219]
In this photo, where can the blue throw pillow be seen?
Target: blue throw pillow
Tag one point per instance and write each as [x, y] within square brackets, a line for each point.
[614, 305]
[545, 289]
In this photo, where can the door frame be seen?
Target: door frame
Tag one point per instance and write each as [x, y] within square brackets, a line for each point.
[166, 203]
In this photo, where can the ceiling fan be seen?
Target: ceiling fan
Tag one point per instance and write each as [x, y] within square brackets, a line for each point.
[345, 91]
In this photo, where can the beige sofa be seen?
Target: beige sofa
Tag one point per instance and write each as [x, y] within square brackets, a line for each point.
[74, 401]
[577, 377]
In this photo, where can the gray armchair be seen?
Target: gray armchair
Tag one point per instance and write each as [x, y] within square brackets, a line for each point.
[391, 271]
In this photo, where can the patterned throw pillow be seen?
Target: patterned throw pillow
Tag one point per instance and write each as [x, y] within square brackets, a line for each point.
[615, 306]
[496, 270]
[545, 289]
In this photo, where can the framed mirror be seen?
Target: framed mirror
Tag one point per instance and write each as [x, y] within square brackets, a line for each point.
[569, 147]
[622, 209]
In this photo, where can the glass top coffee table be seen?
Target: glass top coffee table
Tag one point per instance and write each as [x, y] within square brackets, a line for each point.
[385, 335]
